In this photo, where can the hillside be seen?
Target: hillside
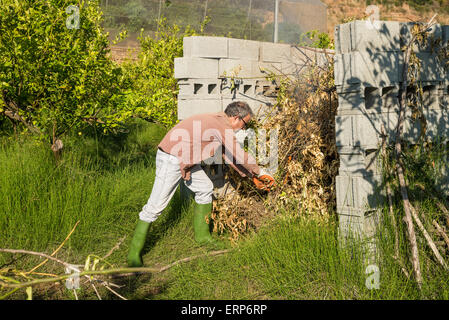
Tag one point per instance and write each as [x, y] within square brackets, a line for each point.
[340, 10]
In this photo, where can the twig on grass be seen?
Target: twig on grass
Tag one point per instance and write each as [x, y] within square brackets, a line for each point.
[120, 271]
[428, 238]
[441, 232]
[116, 247]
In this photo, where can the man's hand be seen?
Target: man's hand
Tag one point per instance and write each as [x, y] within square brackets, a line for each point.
[264, 181]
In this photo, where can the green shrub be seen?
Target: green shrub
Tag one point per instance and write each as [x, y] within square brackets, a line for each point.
[56, 76]
[154, 89]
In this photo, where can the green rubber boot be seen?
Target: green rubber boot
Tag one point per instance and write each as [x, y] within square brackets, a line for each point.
[137, 243]
[200, 225]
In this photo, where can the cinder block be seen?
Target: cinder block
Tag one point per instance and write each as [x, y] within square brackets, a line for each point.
[361, 226]
[373, 69]
[343, 38]
[188, 108]
[205, 47]
[375, 36]
[437, 124]
[243, 49]
[351, 102]
[364, 130]
[344, 131]
[359, 193]
[431, 69]
[275, 52]
[199, 88]
[237, 68]
[265, 69]
[359, 161]
[368, 100]
[303, 57]
[196, 68]
[266, 88]
[238, 88]
[343, 188]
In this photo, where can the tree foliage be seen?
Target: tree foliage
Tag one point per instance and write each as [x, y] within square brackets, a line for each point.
[154, 89]
[55, 75]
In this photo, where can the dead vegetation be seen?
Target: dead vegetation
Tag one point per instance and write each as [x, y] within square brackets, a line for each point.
[307, 157]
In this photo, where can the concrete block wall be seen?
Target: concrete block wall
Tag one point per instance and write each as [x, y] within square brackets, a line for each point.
[368, 76]
[216, 71]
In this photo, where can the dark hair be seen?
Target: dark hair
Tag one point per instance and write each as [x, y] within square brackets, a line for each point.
[238, 108]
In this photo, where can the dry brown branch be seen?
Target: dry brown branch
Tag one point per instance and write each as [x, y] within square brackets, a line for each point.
[36, 254]
[114, 292]
[116, 247]
[307, 158]
[441, 232]
[428, 238]
[211, 254]
[96, 291]
[120, 271]
[398, 152]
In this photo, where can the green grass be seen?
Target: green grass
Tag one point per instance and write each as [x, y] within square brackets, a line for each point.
[104, 182]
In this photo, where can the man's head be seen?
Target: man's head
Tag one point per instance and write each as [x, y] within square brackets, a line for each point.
[239, 114]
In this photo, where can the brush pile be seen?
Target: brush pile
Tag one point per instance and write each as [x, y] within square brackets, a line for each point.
[307, 158]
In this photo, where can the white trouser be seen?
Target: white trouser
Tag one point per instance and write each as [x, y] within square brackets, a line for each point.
[168, 176]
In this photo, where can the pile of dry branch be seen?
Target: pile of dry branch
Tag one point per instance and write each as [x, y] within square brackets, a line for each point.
[307, 157]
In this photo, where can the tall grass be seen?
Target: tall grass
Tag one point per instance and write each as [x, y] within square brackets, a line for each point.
[102, 184]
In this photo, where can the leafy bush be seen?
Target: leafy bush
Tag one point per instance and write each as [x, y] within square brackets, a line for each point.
[154, 89]
[55, 75]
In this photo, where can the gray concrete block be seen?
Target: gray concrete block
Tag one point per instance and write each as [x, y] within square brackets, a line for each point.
[205, 47]
[243, 49]
[437, 124]
[368, 100]
[359, 161]
[236, 68]
[342, 36]
[238, 88]
[375, 36]
[303, 57]
[188, 108]
[196, 68]
[196, 88]
[431, 69]
[364, 130]
[372, 69]
[361, 226]
[351, 102]
[275, 52]
[262, 70]
[359, 193]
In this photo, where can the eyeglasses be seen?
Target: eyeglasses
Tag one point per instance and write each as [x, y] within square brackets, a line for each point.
[245, 124]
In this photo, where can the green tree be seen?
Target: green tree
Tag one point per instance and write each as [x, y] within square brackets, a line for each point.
[55, 73]
[154, 89]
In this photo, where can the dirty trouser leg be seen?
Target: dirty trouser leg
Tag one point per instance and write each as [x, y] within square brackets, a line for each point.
[168, 174]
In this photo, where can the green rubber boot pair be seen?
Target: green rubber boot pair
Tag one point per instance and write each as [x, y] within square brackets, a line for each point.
[201, 219]
[137, 243]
